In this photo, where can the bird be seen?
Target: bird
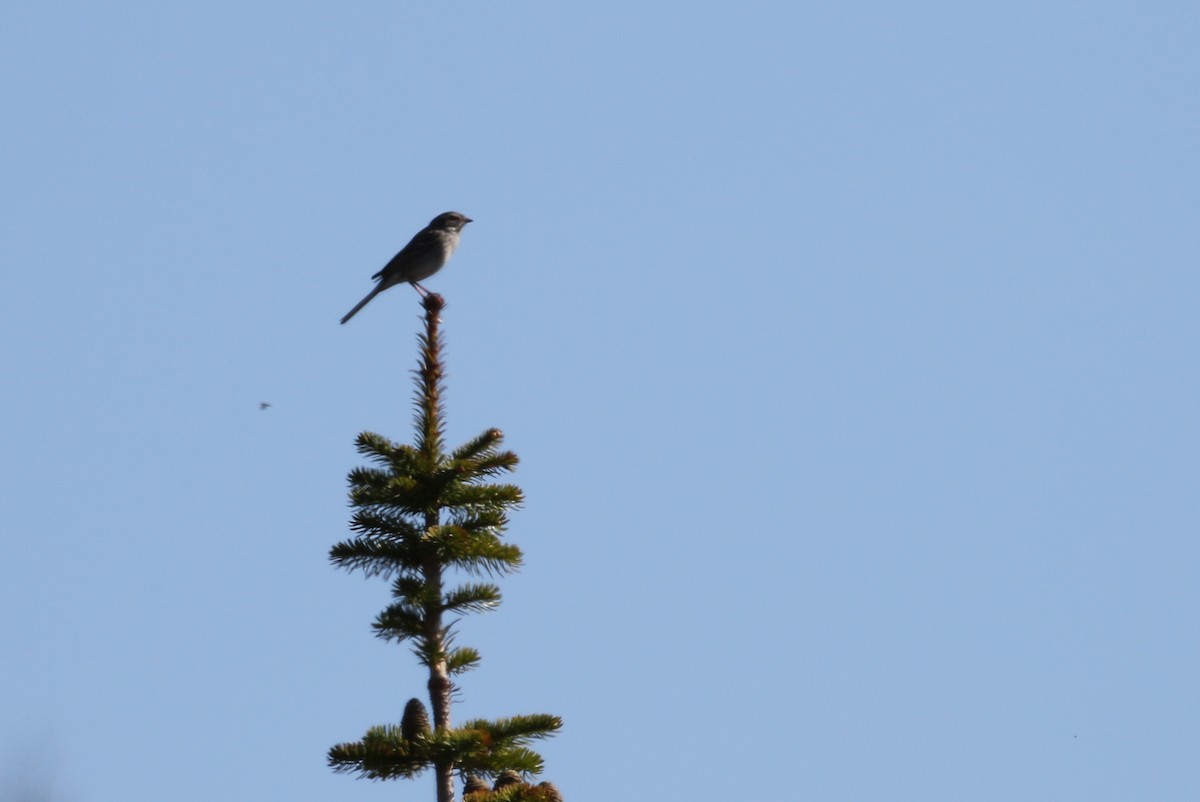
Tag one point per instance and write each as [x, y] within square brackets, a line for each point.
[424, 255]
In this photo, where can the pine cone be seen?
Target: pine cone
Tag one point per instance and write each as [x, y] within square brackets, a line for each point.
[474, 784]
[415, 721]
[550, 792]
[506, 778]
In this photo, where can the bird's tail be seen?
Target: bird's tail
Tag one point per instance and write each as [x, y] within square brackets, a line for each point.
[362, 303]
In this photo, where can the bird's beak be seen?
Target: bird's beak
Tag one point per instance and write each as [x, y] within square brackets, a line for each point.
[468, 220]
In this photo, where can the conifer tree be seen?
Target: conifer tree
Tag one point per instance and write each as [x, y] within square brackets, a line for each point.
[425, 517]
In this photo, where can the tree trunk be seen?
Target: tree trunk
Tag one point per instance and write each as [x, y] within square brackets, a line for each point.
[439, 676]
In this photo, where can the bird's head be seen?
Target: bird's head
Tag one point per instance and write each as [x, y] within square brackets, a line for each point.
[450, 221]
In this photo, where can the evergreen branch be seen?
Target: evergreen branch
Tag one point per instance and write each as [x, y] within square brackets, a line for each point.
[399, 622]
[500, 745]
[378, 556]
[480, 444]
[385, 752]
[393, 459]
[386, 555]
[380, 449]
[489, 464]
[361, 475]
[490, 521]
[490, 762]
[379, 522]
[473, 598]
[403, 494]
[480, 456]
[363, 480]
[517, 730]
[417, 494]
[476, 496]
[414, 590]
[382, 754]
[462, 660]
[485, 556]
[411, 588]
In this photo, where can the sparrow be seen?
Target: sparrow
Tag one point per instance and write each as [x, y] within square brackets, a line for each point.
[423, 256]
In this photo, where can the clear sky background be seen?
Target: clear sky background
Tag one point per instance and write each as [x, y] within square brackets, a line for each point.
[850, 350]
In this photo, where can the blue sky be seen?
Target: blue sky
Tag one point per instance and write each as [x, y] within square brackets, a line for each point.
[850, 350]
